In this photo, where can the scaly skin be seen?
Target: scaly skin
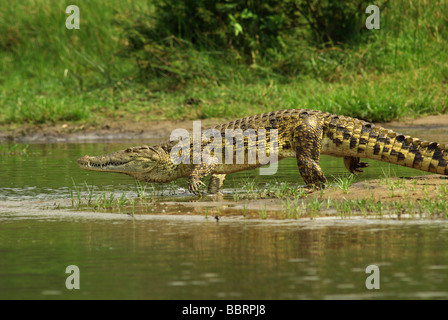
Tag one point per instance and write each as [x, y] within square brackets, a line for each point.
[304, 134]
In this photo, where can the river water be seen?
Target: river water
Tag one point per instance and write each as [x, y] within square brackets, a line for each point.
[196, 257]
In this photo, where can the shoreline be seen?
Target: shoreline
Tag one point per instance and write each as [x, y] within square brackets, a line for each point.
[49, 209]
[126, 130]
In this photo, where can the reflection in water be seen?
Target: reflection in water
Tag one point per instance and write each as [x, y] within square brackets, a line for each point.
[171, 259]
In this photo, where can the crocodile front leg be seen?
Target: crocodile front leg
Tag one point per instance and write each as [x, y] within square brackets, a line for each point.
[308, 143]
[199, 172]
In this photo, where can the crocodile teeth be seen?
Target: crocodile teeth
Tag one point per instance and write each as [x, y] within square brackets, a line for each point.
[101, 165]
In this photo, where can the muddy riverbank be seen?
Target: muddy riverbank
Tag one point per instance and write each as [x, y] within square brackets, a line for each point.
[106, 131]
[132, 130]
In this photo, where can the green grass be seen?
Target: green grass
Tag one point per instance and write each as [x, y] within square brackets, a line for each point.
[51, 74]
[88, 197]
[345, 182]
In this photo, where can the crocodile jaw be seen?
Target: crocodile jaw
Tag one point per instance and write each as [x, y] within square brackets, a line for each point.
[105, 164]
[138, 162]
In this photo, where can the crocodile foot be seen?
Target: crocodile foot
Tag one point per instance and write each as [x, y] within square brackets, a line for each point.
[194, 186]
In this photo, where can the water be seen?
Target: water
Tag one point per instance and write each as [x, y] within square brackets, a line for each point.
[191, 257]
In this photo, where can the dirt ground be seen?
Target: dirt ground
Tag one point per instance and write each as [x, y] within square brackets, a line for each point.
[109, 130]
[130, 130]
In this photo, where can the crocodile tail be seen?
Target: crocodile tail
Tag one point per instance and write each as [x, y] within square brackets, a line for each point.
[357, 138]
[415, 153]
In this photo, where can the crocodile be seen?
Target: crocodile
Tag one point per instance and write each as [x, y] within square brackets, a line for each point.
[301, 133]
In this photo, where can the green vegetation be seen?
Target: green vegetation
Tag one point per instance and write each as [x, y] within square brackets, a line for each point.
[140, 198]
[87, 197]
[345, 182]
[201, 59]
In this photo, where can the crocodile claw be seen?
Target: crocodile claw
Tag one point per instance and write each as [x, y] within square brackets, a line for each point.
[361, 165]
[194, 186]
[354, 165]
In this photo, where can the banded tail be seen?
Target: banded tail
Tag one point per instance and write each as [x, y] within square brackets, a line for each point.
[346, 136]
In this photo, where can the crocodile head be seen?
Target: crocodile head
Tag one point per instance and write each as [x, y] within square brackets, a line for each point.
[137, 162]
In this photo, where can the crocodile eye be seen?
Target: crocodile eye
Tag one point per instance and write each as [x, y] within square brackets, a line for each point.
[128, 150]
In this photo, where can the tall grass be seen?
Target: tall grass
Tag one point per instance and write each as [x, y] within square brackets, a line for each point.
[50, 73]
[109, 69]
